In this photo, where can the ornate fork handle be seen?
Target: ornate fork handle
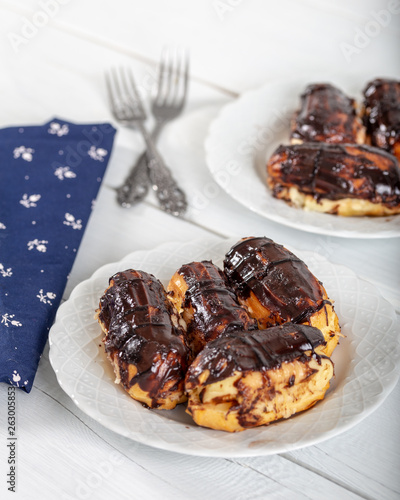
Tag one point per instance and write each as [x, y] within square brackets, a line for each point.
[171, 198]
[136, 185]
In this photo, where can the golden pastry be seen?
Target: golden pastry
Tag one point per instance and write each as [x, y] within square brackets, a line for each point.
[382, 114]
[277, 287]
[144, 339]
[208, 305]
[326, 114]
[342, 179]
[246, 379]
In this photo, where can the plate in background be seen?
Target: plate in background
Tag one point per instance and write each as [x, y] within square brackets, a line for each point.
[243, 137]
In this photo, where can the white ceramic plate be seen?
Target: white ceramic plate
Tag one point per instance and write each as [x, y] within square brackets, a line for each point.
[243, 137]
[366, 362]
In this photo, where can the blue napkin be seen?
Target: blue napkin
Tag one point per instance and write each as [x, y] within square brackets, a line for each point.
[49, 178]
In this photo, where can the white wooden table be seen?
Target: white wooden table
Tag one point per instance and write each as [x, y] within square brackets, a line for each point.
[54, 53]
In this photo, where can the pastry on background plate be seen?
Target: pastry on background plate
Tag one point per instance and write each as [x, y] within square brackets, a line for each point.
[144, 339]
[326, 114]
[277, 287]
[382, 114]
[208, 305]
[341, 179]
[247, 379]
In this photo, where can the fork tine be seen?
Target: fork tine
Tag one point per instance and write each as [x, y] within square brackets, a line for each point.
[161, 69]
[164, 76]
[173, 76]
[133, 93]
[122, 85]
[117, 88]
[136, 96]
[123, 95]
[126, 88]
[175, 73]
[183, 74]
[186, 74]
[110, 93]
[170, 75]
[116, 95]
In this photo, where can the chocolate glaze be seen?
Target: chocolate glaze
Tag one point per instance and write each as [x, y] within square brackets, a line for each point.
[382, 112]
[255, 351]
[337, 171]
[137, 316]
[326, 114]
[216, 308]
[281, 281]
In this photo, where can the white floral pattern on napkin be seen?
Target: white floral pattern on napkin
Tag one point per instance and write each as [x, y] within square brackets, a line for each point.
[50, 176]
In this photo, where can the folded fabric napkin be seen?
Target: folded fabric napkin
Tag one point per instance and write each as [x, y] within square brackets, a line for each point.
[49, 178]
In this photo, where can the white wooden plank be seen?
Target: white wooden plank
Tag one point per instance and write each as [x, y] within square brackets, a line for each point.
[383, 12]
[286, 37]
[308, 484]
[57, 63]
[371, 460]
[59, 456]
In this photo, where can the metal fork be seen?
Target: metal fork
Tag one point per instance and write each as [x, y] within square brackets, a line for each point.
[127, 108]
[167, 103]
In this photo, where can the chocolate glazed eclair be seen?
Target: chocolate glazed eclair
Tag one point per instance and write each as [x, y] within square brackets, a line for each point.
[382, 114]
[328, 115]
[341, 179]
[246, 379]
[144, 339]
[208, 305]
[277, 287]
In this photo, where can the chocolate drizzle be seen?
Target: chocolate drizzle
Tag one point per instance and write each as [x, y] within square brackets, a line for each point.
[137, 316]
[326, 114]
[259, 350]
[280, 281]
[216, 308]
[382, 112]
[337, 171]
